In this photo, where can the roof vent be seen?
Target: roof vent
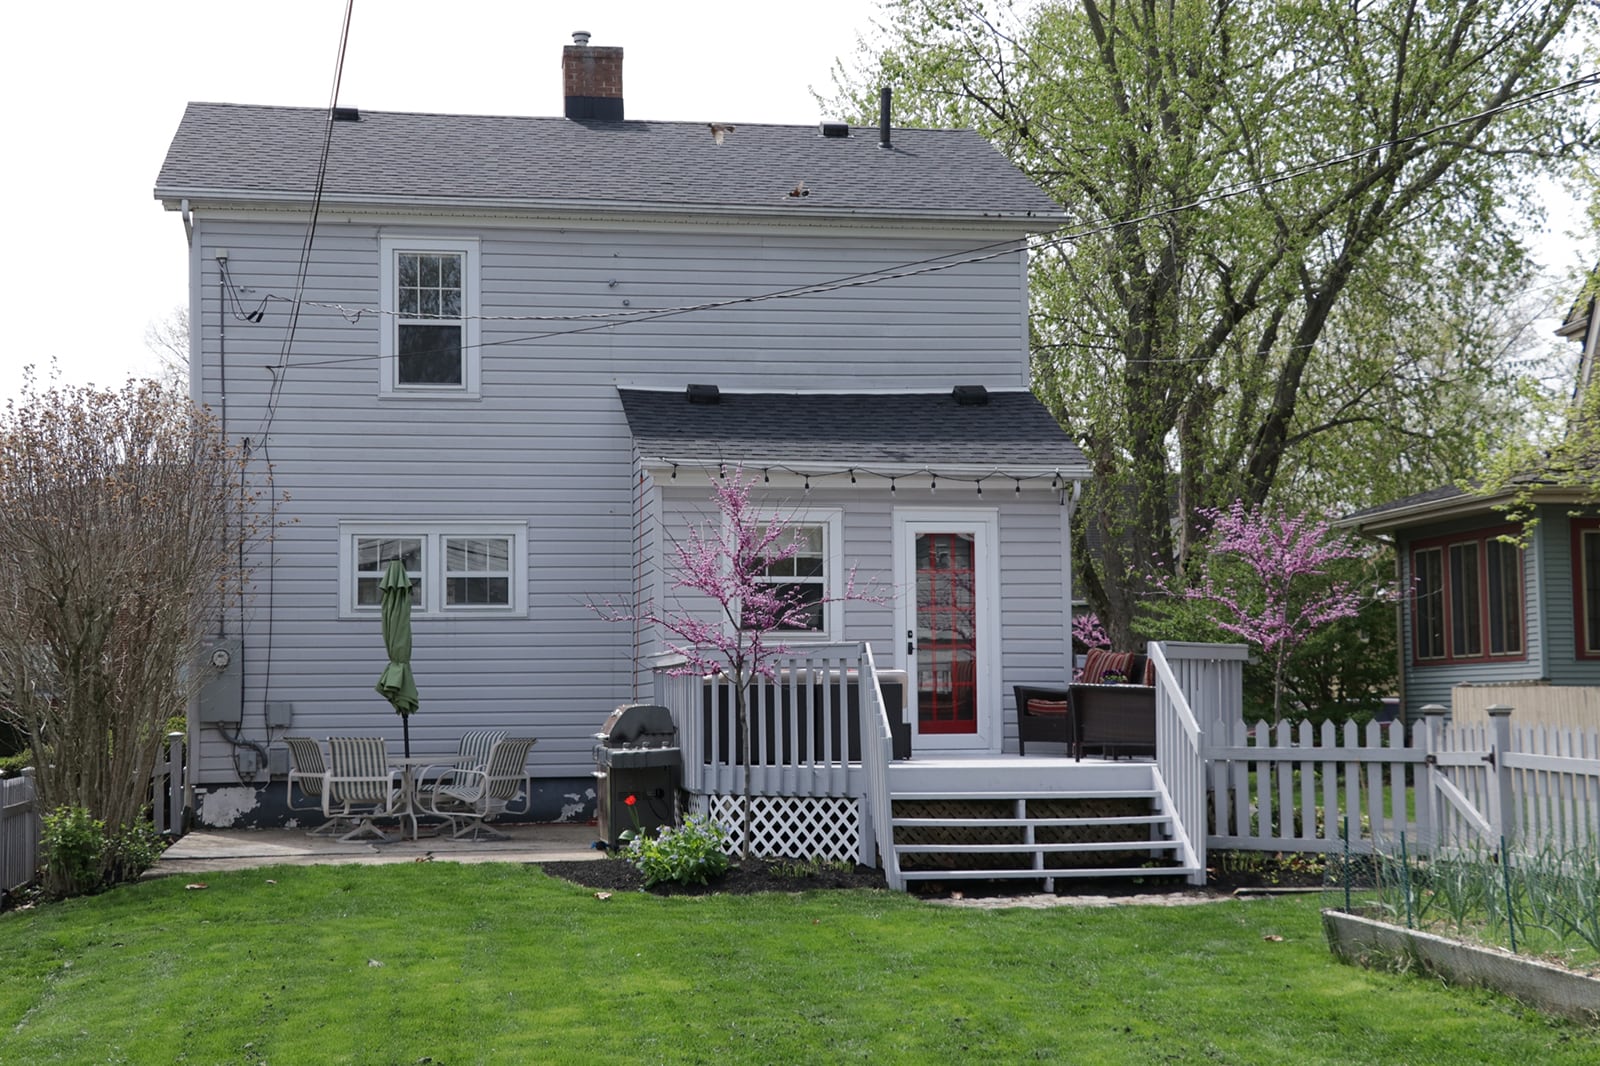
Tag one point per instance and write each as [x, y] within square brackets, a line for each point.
[347, 114]
[970, 395]
[704, 394]
[835, 129]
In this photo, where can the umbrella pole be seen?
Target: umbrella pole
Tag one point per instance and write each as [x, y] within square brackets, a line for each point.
[405, 726]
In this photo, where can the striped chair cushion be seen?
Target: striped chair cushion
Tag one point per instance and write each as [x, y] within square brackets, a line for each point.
[1125, 664]
[1048, 708]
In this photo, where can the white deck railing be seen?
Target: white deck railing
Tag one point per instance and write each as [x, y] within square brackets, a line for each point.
[1181, 770]
[806, 733]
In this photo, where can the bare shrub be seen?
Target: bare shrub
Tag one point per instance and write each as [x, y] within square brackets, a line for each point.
[121, 517]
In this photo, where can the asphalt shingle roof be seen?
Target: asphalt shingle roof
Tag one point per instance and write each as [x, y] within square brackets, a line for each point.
[852, 429]
[242, 151]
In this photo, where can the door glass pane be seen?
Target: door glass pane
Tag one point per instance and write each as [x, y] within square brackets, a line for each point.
[947, 634]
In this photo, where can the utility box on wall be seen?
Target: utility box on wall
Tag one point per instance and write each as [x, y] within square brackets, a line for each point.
[220, 699]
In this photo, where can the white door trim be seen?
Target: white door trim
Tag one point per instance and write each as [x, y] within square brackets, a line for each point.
[984, 524]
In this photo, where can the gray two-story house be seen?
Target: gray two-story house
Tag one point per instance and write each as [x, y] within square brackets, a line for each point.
[514, 353]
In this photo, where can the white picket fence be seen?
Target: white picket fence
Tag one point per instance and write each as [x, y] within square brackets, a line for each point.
[20, 817]
[1295, 788]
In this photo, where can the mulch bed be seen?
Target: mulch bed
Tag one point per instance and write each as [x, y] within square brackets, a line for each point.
[761, 875]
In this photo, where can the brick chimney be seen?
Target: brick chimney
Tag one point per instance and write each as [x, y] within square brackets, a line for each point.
[591, 80]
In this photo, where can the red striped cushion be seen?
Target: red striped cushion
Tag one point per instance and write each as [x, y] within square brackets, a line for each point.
[1047, 708]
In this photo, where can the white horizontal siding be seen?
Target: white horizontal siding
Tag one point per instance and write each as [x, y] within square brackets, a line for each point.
[547, 444]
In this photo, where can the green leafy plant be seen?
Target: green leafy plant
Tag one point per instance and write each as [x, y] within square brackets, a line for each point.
[693, 854]
[72, 844]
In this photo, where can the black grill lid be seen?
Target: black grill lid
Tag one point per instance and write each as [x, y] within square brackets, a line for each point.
[639, 723]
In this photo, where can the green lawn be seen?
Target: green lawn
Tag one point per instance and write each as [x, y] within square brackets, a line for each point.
[453, 964]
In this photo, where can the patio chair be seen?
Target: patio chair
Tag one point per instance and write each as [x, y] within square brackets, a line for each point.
[1043, 714]
[475, 796]
[360, 785]
[472, 753]
[308, 770]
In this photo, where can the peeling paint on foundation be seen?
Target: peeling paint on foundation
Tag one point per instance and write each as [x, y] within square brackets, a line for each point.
[579, 807]
[221, 808]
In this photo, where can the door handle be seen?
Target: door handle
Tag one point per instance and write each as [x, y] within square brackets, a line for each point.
[911, 642]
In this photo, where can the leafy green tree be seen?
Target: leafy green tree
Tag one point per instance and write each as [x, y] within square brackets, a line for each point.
[1281, 220]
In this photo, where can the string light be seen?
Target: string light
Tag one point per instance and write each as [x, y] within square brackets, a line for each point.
[891, 484]
[808, 484]
[765, 476]
[980, 486]
[1019, 485]
[933, 485]
[852, 475]
[674, 471]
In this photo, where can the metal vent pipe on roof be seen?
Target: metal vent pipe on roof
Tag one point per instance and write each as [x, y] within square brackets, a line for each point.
[883, 117]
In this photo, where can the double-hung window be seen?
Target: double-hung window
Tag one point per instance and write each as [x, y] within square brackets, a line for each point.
[1467, 599]
[456, 568]
[812, 575]
[430, 331]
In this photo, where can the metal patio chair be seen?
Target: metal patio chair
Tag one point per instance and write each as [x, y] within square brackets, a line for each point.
[475, 796]
[360, 785]
[309, 770]
[472, 753]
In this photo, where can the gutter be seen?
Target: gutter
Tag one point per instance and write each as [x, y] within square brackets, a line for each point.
[1032, 221]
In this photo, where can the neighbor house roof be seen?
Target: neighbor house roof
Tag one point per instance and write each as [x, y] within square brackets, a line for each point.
[886, 433]
[232, 152]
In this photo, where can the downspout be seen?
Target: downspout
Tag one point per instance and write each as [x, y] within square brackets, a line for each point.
[188, 220]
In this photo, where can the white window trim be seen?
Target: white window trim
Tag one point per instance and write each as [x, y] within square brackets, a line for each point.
[831, 519]
[433, 534]
[389, 248]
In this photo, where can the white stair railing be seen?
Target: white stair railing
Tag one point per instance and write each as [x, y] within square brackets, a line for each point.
[1180, 766]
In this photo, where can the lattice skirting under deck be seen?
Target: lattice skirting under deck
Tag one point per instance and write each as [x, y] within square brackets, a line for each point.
[789, 827]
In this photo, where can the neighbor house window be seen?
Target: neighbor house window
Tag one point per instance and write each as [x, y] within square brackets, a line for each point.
[456, 568]
[1467, 599]
[812, 575]
[1586, 585]
[430, 327]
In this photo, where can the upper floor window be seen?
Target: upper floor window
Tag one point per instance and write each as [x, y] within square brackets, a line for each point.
[456, 568]
[1467, 599]
[812, 575]
[430, 329]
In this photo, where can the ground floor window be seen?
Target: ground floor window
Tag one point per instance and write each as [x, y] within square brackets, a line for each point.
[1467, 599]
[455, 567]
[1586, 582]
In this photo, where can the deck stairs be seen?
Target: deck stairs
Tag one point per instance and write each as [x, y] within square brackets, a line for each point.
[1035, 819]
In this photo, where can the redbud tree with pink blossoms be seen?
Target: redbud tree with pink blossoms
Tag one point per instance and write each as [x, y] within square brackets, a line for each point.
[1283, 590]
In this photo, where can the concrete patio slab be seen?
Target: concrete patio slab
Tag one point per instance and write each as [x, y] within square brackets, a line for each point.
[207, 850]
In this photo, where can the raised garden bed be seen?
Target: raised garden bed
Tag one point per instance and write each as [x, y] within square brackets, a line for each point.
[1553, 989]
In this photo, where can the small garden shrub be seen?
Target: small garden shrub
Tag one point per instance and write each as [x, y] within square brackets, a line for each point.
[691, 855]
[80, 856]
[72, 845]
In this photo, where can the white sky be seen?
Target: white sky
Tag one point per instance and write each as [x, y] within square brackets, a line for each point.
[94, 92]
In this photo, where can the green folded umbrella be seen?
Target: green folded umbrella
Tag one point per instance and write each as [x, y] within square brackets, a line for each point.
[396, 683]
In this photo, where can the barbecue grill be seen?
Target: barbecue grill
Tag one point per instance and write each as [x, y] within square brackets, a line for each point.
[637, 755]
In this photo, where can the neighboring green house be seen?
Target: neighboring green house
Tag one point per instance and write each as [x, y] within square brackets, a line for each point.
[1477, 610]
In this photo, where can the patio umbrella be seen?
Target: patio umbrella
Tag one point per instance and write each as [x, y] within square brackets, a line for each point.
[396, 684]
